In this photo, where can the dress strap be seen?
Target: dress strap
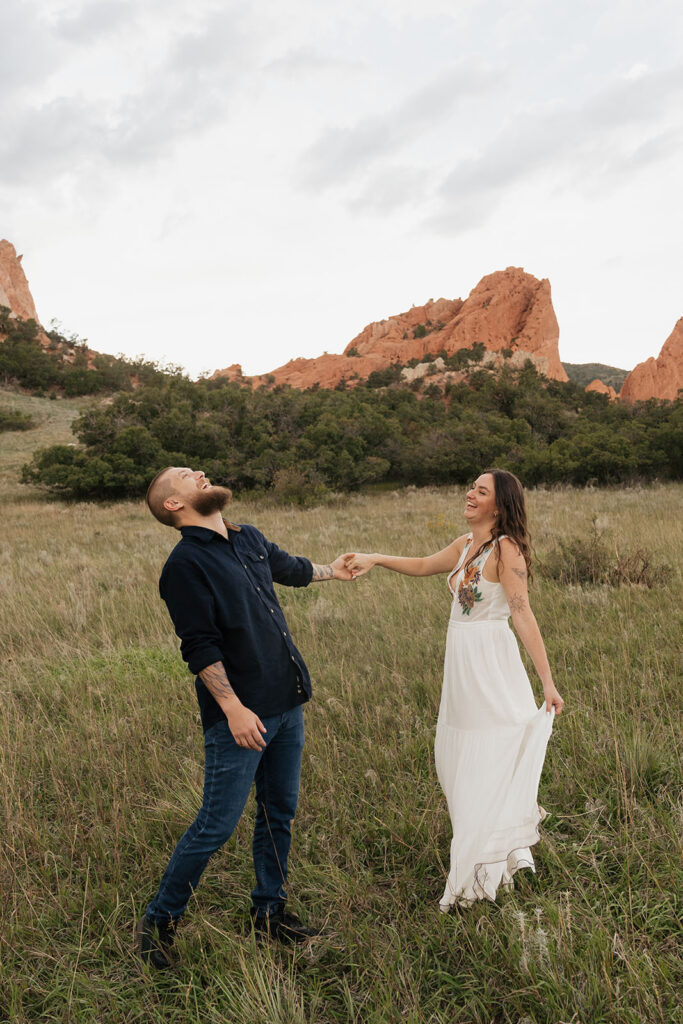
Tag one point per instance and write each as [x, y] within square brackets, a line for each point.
[459, 564]
[464, 552]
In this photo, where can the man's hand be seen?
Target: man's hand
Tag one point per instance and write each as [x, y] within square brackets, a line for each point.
[246, 727]
[336, 570]
[341, 569]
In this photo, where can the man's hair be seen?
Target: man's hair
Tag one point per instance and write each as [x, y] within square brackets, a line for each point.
[157, 493]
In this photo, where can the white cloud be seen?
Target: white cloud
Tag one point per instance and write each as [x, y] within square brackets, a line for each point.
[190, 90]
[392, 189]
[342, 153]
[303, 60]
[93, 20]
[594, 146]
[40, 142]
[28, 53]
[637, 71]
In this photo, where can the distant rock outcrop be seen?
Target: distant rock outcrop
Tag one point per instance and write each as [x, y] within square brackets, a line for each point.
[658, 378]
[16, 295]
[508, 310]
[602, 389]
[14, 289]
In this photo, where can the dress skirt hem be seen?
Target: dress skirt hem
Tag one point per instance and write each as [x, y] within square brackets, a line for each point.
[490, 875]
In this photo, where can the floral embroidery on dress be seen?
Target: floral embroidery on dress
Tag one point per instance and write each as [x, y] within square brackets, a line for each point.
[468, 592]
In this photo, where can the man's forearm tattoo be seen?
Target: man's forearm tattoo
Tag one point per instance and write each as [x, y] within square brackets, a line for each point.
[522, 573]
[216, 681]
[322, 572]
[517, 603]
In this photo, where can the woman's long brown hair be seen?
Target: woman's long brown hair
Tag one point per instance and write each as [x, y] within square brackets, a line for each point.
[511, 519]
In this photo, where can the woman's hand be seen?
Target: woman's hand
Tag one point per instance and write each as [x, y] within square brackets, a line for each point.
[359, 564]
[552, 699]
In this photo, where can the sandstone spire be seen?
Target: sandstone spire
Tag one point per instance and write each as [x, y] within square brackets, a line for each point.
[658, 378]
[14, 290]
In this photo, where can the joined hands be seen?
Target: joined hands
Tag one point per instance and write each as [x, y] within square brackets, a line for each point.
[358, 564]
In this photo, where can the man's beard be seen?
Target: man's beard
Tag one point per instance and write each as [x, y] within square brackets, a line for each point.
[213, 499]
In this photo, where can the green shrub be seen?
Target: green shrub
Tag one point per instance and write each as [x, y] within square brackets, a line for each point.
[589, 560]
[291, 486]
[13, 419]
[383, 378]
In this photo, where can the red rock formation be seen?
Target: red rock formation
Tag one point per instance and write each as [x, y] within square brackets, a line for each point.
[658, 378]
[232, 373]
[14, 290]
[15, 293]
[507, 310]
[602, 389]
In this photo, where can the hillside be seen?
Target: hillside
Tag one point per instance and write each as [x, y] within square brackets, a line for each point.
[53, 421]
[583, 373]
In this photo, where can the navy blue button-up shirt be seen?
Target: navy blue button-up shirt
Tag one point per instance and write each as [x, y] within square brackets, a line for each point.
[222, 601]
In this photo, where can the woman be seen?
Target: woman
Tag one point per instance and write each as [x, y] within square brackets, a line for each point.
[490, 736]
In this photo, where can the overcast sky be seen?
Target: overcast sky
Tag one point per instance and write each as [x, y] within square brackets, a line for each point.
[214, 182]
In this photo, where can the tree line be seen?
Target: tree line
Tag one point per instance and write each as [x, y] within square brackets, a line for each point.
[66, 366]
[302, 445]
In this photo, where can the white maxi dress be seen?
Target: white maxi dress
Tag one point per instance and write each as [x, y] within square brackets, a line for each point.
[490, 743]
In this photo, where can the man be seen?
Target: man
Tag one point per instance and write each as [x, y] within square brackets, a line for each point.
[251, 684]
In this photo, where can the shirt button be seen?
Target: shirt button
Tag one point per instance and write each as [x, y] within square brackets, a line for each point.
[258, 588]
[260, 556]
[244, 564]
[284, 634]
[272, 610]
[292, 657]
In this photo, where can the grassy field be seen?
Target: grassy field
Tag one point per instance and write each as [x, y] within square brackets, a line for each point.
[101, 770]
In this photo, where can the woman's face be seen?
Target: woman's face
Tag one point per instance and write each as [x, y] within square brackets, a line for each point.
[480, 502]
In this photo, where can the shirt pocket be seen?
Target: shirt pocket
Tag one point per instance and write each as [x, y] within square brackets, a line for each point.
[259, 566]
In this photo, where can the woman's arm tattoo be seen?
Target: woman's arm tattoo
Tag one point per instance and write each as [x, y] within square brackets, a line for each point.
[517, 603]
[522, 573]
[216, 681]
[322, 572]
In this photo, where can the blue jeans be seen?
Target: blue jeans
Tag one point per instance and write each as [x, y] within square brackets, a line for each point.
[229, 771]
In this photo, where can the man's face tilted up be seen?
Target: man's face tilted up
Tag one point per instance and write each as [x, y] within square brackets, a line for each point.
[180, 488]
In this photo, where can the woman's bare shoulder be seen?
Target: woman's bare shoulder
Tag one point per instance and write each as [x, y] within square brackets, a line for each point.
[509, 547]
[511, 558]
[459, 543]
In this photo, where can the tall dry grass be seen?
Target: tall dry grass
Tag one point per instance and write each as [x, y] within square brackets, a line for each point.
[100, 771]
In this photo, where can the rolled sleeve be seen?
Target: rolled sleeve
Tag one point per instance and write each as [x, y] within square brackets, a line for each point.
[191, 606]
[288, 570]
